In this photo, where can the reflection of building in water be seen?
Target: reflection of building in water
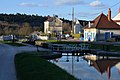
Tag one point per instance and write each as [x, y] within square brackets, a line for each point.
[118, 66]
[103, 65]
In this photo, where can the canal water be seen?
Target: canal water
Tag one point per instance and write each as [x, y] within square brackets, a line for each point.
[90, 68]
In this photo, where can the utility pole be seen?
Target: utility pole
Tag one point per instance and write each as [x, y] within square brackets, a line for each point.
[73, 21]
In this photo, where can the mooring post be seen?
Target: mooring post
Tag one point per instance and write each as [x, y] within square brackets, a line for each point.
[67, 58]
[37, 48]
[77, 58]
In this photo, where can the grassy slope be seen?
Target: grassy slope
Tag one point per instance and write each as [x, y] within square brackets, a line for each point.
[29, 67]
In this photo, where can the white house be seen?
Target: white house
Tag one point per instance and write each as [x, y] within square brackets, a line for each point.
[53, 24]
[101, 28]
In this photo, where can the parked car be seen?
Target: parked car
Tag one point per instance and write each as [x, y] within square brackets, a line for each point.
[66, 36]
[63, 36]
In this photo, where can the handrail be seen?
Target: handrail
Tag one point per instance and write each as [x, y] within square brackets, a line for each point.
[76, 47]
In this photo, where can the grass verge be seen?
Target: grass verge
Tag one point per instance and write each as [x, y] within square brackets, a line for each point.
[31, 67]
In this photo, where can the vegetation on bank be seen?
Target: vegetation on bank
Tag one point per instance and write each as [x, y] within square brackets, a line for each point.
[58, 42]
[77, 36]
[30, 67]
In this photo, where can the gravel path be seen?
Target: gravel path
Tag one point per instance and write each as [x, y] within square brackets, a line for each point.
[7, 53]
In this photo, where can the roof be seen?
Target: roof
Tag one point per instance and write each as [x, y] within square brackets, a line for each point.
[51, 19]
[102, 22]
[83, 22]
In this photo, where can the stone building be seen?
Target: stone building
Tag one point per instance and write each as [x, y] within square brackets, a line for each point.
[53, 24]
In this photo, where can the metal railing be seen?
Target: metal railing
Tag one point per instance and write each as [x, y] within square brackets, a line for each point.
[68, 47]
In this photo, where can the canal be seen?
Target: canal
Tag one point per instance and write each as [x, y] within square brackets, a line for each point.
[90, 67]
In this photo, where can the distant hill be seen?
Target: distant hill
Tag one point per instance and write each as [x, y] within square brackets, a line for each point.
[33, 20]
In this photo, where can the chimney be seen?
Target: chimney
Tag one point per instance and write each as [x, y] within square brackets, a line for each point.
[89, 24]
[109, 14]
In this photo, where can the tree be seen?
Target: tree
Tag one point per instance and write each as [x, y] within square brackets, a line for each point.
[25, 30]
[1, 31]
[66, 27]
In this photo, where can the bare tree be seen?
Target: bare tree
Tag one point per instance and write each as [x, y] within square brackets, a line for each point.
[25, 29]
[66, 27]
[1, 31]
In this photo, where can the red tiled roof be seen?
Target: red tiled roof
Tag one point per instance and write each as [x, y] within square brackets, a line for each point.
[102, 22]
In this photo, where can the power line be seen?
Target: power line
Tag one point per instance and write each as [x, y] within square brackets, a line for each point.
[111, 6]
[69, 14]
[105, 9]
[115, 4]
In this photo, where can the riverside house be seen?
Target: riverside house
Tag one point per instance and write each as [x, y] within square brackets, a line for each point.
[101, 28]
[53, 24]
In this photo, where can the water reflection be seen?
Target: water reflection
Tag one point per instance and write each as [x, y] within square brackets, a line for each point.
[104, 65]
[90, 67]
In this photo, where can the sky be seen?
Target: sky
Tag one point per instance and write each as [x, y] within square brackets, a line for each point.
[83, 9]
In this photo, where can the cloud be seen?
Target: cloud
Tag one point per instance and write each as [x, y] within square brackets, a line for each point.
[98, 4]
[69, 2]
[33, 5]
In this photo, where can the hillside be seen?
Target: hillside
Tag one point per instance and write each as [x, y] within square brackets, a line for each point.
[33, 20]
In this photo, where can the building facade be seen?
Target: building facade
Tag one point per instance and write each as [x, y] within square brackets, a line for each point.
[53, 24]
[78, 28]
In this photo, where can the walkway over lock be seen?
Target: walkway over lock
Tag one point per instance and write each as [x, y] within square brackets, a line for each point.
[69, 48]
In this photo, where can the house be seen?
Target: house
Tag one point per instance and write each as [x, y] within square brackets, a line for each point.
[52, 25]
[101, 28]
[117, 18]
[78, 27]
